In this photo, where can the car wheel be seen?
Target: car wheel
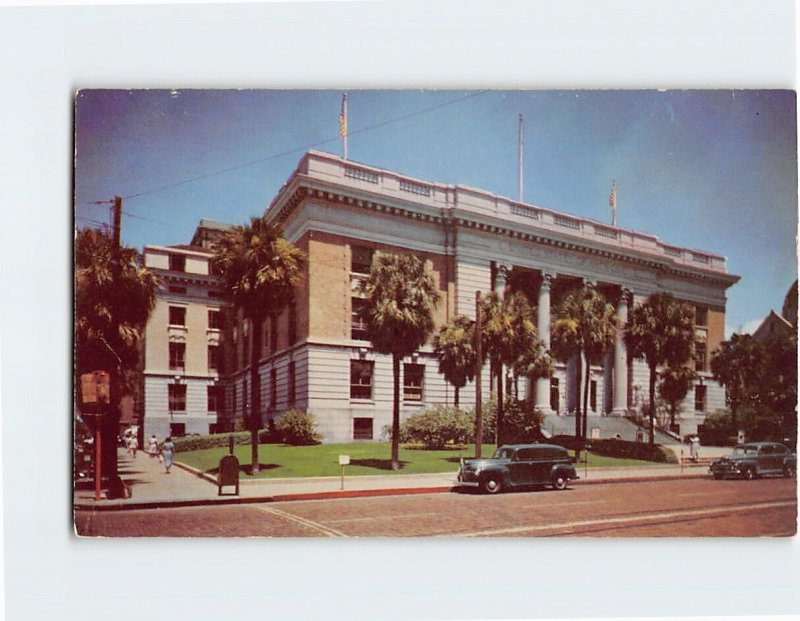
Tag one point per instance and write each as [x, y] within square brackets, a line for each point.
[560, 482]
[492, 485]
[789, 472]
[750, 474]
[717, 475]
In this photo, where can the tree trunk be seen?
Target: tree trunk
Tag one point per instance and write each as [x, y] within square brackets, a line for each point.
[396, 413]
[652, 398]
[586, 381]
[455, 401]
[578, 421]
[500, 409]
[255, 390]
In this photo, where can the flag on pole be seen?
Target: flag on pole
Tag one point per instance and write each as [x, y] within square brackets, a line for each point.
[612, 200]
[343, 117]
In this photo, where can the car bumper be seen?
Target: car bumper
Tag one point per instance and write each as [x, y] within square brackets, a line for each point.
[467, 483]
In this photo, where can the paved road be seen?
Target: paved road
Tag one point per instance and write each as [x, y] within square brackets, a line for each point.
[681, 508]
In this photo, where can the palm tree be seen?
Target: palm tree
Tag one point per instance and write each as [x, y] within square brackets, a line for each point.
[660, 330]
[534, 363]
[260, 270]
[675, 382]
[457, 356]
[508, 334]
[114, 297]
[585, 326]
[400, 299]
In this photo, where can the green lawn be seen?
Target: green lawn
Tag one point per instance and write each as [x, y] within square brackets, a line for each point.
[280, 461]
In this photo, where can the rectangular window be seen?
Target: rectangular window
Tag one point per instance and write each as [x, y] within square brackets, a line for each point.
[177, 397]
[413, 376]
[292, 378]
[177, 315]
[177, 355]
[273, 333]
[177, 430]
[361, 379]
[358, 327]
[700, 398]
[361, 259]
[273, 389]
[213, 398]
[293, 323]
[177, 263]
[593, 395]
[554, 394]
[214, 320]
[362, 429]
[213, 357]
[699, 356]
[701, 316]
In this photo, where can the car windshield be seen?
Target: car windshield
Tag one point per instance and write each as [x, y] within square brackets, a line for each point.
[741, 451]
[503, 453]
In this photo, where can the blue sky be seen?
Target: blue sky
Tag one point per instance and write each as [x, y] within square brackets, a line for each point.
[709, 170]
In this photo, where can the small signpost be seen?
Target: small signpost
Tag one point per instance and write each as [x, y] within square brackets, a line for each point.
[344, 460]
[95, 397]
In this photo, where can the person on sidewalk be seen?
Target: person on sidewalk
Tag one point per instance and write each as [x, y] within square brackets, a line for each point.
[153, 447]
[695, 448]
[133, 446]
[166, 452]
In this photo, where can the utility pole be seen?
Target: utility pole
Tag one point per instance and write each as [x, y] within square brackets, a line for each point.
[111, 419]
[478, 388]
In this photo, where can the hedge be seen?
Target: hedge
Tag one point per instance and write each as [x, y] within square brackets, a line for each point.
[620, 448]
[218, 440]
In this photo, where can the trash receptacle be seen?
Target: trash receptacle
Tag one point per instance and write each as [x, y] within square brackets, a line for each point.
[228, 474]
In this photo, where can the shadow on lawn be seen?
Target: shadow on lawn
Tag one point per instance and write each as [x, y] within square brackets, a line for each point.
[379, 464]
[246, 468]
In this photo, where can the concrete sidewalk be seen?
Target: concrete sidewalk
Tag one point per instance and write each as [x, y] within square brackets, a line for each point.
[151, 487]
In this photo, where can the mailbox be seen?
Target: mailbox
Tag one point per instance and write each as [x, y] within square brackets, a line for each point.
[228, 474]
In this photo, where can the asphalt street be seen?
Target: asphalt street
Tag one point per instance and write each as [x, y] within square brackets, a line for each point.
[675, 508]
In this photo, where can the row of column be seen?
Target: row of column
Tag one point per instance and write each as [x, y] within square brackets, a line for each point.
[620, 373]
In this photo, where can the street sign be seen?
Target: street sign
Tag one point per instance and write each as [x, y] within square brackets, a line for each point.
[344, 460]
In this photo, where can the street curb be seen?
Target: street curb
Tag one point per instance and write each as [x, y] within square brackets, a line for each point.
[337, 494]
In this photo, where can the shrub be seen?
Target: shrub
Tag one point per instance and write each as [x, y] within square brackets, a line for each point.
[521, 422]
[217, 440]
[297, 428]
[437, 427]
[623, 449]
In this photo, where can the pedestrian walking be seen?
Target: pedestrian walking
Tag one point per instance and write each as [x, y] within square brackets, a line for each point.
[695, 448]
[166, 452]
[153, 447]
[133, 446]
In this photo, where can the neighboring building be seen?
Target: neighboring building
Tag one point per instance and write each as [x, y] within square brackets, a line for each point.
[774, 326]
[183, 339]
[315, 356]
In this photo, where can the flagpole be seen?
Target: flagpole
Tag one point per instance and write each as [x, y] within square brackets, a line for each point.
[521, 156]
[612, 200]
[343, 124]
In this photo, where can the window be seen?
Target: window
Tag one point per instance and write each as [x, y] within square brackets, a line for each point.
[213, 357]
[177, 397]
[593, 395]
[292, 323]
[177, 315]
[177, 430]
[177, 354]
[362, 429]
[273, 333]
[273, 388]
[214, 320]
[177, 263]
[700, 398]
[699, 356]
[701, 316]
[213, 398]
[361, 259]
[361, 379]
[554, 394]
[413, 375]
[358, 327]
[292, 378]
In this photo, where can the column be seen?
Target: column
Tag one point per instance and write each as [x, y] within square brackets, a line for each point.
[543, 329]
[621, 359]
[500, 279]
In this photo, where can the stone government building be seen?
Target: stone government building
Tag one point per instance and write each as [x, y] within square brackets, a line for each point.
[315, 355]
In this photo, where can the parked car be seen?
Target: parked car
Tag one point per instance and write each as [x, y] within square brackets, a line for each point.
[756, 459]
[519, 465]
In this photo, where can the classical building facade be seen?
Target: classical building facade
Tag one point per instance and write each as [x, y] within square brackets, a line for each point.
[182, 354]
[316, 357]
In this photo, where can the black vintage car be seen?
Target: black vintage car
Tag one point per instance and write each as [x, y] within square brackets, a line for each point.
[756, 459]
[519, 465]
